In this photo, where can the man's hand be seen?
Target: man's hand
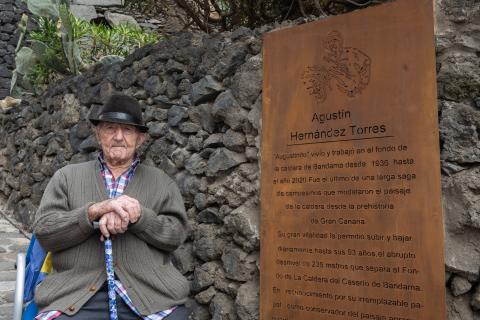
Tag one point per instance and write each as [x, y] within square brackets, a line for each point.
[125, 207]
[111, 224]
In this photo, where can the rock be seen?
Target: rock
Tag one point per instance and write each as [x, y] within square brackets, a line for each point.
[247, 84]
[252, 154]
[459, 79]
[200, 201]
[244, 223]
[184, 87]
[210, 215]
[83, 12]
[475, 302]
[174, 66]
[171, 89]
[12, 182]
[212, 44]
[451, 168]
[126, 78]
[156, 130]
[225, 285]
[460, 286]
[206, 296]
[83, 130]
[154, 87]
[189, 127]
[195, 143]
[4, 72]
[458, 133]
[195, 164]
[448, 275]
[204, 276]
[176, 114]
[461, 257]
[238, 265]
[222, 307]
[241, 32]
[231, 57]
[208, 244]
[116, 19]
[226, 108]
[458, 308]
[255, 114]
[163, 102]
[179, 156]
[183, 258]
[160, 147]
[223, 159]
[205, 89]
[247, 301]
[25, 185]
[198, 312]
[234, 141]
[202, 115]
[89, 145]
[24, 212]
[159, 114]
[167, 165]
[53, 148]
[213, 141]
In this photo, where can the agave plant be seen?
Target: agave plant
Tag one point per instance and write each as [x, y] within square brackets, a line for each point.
[66, 45]
[54, 43]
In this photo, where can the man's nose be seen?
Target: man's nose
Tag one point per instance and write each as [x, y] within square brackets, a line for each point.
[118, 134]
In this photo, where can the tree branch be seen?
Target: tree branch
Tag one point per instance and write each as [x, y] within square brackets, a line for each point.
[319, 8]
[289, 10]
[192, 14]
[302, 9]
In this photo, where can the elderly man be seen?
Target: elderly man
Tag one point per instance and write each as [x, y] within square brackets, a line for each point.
[138, 206]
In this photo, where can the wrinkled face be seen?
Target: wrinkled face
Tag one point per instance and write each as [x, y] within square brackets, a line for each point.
[118, 141]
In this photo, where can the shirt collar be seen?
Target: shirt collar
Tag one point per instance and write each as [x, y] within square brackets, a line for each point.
[103, 163]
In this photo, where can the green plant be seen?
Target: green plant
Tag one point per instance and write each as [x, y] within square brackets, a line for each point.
[119, 40]
[62, 44]
[209, 15]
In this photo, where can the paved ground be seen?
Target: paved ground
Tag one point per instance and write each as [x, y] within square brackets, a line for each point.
[12, 241]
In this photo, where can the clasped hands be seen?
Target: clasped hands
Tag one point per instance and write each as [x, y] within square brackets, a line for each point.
[114, 215]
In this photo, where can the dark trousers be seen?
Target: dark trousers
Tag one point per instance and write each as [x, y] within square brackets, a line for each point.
[97, 309]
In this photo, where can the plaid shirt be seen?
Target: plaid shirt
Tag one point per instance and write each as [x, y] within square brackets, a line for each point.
[115, 188]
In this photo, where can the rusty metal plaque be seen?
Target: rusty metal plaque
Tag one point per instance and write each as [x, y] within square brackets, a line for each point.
[350, 189]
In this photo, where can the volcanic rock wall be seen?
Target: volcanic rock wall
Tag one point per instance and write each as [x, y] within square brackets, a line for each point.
[10, 14]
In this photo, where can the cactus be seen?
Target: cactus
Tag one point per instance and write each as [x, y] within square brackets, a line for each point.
[24, 61]
[70, 46]
[44, 8]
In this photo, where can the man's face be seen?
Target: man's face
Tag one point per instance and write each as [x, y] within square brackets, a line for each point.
[118, 142]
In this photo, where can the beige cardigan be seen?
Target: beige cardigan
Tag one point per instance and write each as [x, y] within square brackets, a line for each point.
[141, 255]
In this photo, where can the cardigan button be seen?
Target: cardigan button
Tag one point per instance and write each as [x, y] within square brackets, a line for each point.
[92, 289]
[71, 308]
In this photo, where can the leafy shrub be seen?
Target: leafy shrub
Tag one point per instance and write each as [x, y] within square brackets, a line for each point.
[61, 44]
[210, 15]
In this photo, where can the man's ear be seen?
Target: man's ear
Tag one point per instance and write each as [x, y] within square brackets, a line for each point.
[140, 139]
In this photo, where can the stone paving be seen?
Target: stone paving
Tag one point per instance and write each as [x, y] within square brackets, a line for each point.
[12, 241]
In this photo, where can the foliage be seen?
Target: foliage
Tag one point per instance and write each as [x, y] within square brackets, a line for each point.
[209, 15]
[61, 44]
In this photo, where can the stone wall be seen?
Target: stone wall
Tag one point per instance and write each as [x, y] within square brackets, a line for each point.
[458, 67]
[10, 14]
[203, 110]
[202, 99]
